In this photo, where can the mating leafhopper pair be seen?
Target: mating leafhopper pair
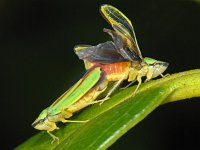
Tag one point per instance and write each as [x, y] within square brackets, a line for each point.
[115, 60]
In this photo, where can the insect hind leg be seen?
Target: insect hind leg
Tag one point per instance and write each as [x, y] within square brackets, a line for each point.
[116, 85]
[139, 83]
[132, 82]
[55, 138]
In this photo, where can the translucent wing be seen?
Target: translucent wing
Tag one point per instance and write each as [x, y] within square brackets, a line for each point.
[122, 25]
[122, 47]
[102, 53]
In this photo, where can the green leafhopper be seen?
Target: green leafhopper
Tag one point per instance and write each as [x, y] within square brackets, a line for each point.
[82, 94]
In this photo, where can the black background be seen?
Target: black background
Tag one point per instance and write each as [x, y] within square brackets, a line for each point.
[38, 63]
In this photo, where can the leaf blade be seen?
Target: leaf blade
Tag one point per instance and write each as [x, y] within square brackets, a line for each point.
[74, 135]
[116, 121]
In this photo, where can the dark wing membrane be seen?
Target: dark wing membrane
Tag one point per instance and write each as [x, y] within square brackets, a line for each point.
[122, 46]
[79, 48]
[102, 53]
[121, 24]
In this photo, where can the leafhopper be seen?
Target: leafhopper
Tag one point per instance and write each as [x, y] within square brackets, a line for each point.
[80, 95]
[121, 58]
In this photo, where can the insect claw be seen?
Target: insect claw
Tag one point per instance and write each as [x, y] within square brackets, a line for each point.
[164, 75]
[55, 138]
[103, 100]
[146, 80]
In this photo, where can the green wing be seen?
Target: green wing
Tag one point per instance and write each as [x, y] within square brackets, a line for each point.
[89, 80]
[121, 24]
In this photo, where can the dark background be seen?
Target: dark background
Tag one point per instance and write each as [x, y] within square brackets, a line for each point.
[38, 63]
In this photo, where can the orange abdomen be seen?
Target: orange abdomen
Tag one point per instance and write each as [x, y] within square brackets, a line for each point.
[116, 71]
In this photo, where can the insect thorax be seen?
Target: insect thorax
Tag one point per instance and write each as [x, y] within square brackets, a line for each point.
[137, 70]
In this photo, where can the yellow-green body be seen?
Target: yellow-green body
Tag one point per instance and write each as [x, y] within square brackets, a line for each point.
[82, 94]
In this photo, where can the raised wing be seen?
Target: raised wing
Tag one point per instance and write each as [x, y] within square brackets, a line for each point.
[79, 48]
[122, 25]
[103, 53]
[93, 77]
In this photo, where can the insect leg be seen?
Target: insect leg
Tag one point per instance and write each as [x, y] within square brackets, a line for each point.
[112, 90]
[128, 85]
[67, 114]
[55, 138]
[139, 83]
[114, 87]
[164, 75]
[79, 121]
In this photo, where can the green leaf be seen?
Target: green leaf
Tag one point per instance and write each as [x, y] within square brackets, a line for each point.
[116, 116]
